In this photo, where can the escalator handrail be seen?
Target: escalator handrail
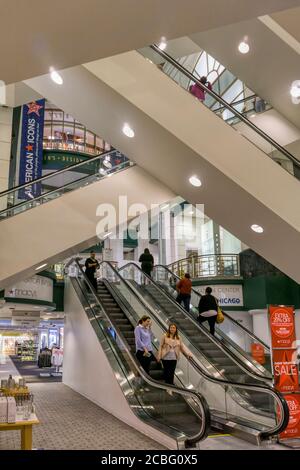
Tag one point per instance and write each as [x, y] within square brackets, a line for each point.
[58, 172]
[116, 169]
[217, 97]
[248, 332]
[205, 412]
[234, 103]
[278, 397]
[200, 327]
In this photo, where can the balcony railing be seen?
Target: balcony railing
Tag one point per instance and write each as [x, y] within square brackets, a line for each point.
[219, 266]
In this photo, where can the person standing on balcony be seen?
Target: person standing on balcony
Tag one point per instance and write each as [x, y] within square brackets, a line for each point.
[184, 288]
[198, 91]
[208, 309]
[147, 262]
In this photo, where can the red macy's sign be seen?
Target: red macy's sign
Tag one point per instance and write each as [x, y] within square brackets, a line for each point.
[282, 327]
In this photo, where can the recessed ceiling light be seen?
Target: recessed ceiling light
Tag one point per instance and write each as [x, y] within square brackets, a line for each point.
[40, 267]
[295, 89]
[56, 77]
[244, 47]
[257, 228]
[194, 180]
[128, 131]
[163, 44]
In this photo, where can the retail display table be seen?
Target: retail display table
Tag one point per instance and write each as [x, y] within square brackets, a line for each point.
[26, 430]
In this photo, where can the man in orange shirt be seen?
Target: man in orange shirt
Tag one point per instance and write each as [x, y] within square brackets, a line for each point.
[184, 288]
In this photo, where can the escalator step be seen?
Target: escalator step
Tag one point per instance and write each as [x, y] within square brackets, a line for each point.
[156, 374]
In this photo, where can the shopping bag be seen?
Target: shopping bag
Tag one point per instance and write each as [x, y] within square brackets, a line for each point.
[220, 316]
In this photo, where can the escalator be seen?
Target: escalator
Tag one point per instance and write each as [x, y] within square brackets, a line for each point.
[252, 132]
[239, 402]
[227, 357]
[237, 337]
[183, 415]
[56, 215]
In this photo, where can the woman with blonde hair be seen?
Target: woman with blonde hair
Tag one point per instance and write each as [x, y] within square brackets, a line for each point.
[169, 352]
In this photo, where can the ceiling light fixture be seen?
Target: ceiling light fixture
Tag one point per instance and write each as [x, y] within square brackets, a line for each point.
[195, 181]
[257, 228]
[163, 44]
[56, 77]
[295, 92]
[128, 131]
[40, 267]
[244, 47]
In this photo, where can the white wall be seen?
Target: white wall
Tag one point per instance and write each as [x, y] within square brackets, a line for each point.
[88, 372]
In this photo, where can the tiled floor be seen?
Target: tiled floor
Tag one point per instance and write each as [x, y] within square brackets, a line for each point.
[69, 421]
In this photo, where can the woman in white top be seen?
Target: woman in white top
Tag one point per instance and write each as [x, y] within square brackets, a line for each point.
[169, 352]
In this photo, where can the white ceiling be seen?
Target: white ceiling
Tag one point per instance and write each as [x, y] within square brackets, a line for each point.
[159, 150]
[268, 69]
[35, 34]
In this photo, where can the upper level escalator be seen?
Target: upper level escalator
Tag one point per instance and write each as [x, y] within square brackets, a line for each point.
[229, 113]
[52, 217]
[238, 400]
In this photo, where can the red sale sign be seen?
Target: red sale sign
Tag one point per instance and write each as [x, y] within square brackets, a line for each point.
[285, 370]
[258, 353]
[293, 428]
[282, 327]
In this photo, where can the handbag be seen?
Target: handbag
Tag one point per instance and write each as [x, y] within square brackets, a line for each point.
[220, 316]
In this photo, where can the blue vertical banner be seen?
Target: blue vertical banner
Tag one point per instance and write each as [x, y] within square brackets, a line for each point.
[31, 151]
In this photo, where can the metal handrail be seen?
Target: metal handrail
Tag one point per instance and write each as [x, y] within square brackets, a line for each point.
[234, 103]
[216, 257]
[58, 172]
[253, 336]
[154, 383]
[226, 105]
[53, 191]
[278, 397]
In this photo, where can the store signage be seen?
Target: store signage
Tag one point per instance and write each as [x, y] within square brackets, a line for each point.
[292, 431]
[282, 327]
[31, 150]
[228, 295]
[258, 353]
[35, 288]
[285, 367]
[286, 377]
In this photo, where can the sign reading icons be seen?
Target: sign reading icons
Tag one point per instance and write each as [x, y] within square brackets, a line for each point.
[228, 295]
[285, 367]
[34, 288]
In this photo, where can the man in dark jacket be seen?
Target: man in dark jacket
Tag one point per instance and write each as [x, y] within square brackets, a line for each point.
[91, 265]
[147, 262]
[208, 309]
